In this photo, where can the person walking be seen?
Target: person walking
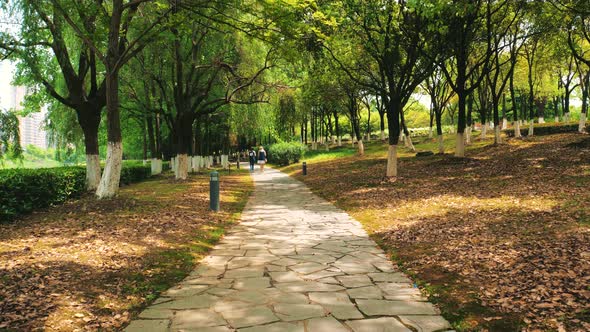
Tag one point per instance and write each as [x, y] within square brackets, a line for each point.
[252, 158]
[261, 158]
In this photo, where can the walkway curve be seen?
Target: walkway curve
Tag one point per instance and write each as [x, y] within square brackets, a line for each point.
[294, 263]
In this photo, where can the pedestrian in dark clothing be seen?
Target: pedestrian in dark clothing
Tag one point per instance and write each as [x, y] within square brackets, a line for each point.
[252, 158]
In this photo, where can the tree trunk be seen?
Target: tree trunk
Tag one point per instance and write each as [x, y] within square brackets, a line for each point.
[504, 117]
[382, 124]
[470, 124]
[585, 86]
[393, 108]
[497, 135]
[439, 131]
[392, 160]
[109, 183]
[460, 143]
[182, 166]
[89, 120]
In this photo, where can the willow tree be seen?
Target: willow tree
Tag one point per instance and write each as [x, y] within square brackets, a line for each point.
[9, 135]
[465, 43]
[51, 56]
[209, 69]
[394, 38]
[126, 28]
[504, 17]
[440, 93]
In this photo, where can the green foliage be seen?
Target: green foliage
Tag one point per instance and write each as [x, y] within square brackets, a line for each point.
[286, 153]
[136, 173]
[417, 115]
[23, 190]
[9, 135]
[546, 129]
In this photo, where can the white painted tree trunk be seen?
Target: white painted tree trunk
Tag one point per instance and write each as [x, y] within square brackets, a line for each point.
[339, 141]
[401, 136]
[333, 139]
[526, 122]
[484, 132]
[392, 161]
[361, 148]
[226, 161]
[541, 119]
[468, 135]
[109, 183]
[497, 135]
[460, 146]
[430, 133]
[556, 119]
[441, 145]
[368, 137]
[531, 129]
[92, 171]
[313, 146]
[199, 162]
[517, 129]
[582, 124]
[566, 117]
[327, 146]
[155, 166]
[504, 123]
[194, 164]
[383, 135]
[409, 143]
[182, 168]
[145, 162]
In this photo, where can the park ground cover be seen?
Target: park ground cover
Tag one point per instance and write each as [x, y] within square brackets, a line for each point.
[91, 264]
[500, 240]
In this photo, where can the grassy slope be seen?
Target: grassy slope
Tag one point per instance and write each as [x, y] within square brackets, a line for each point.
[93, 264]
[499, 239]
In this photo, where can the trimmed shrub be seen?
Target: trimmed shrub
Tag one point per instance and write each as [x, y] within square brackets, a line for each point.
[546, 129]
[23, 190]
[285, 153]
[132, 174]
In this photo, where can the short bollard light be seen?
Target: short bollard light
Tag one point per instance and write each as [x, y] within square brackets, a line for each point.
[304, 168]
[214, 191]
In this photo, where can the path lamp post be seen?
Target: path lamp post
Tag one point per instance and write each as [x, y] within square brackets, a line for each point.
[304, 168]
[214, 191]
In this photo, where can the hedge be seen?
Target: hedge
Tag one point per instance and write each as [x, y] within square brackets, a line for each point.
[286, 153]
[23, 190]
[546, 129]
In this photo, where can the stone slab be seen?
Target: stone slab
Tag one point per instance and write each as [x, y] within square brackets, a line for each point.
[326, 324]
[384, 324]
[391, 308]
[426, 323]
[249, 317]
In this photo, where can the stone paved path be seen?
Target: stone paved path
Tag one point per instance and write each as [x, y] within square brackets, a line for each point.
[295, 263]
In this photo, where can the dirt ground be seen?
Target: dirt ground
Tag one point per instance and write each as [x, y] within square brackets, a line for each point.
[500, 239]
[89, 265]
